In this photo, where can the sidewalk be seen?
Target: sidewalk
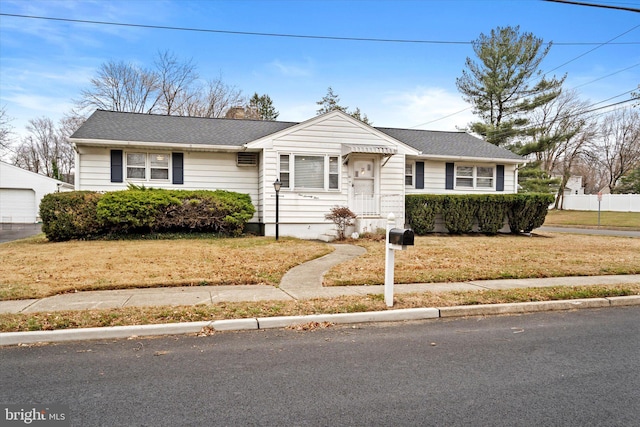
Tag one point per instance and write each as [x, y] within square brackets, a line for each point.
[301, 282]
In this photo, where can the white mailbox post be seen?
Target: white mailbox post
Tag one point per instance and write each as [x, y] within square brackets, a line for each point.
[396, 239]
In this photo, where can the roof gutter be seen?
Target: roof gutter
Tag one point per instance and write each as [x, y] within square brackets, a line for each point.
[474, 159]
[168, 146]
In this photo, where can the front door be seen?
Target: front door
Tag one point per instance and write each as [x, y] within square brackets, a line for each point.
[363, 180]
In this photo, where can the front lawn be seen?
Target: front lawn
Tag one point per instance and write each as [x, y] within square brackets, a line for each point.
[448, 258]
[608, 219]
[34, 268]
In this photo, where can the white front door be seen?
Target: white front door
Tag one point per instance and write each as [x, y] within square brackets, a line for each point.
[363, 192]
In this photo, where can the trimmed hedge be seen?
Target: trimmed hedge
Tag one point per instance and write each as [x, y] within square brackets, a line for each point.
[85, 215]
[70, 215]
[524, 212]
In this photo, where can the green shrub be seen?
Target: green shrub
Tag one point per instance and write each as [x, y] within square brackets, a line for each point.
[524, 212]
[421, 210]
[134, 210]
[491, 212]
[83, 214]
[70, 215]
[459, 213]
[528, 211]
[220, 211]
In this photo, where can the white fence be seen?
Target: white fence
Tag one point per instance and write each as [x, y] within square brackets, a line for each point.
[610, 202]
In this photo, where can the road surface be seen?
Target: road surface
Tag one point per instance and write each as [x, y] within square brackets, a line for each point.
[558, 368]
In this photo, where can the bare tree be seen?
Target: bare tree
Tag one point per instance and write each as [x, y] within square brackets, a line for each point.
[6, 130]
[175, 82]
[120, 86]
[45, 150]
[215, 99]
[619, 145]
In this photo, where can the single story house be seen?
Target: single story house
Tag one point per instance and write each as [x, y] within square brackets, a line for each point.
[21, 192]
[329, 160]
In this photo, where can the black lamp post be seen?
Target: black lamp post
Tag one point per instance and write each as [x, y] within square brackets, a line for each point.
[277, 185]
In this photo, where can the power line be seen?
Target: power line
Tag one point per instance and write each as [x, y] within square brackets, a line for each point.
[608, 75]
[605, 6]
[282, 35]
[591, 50]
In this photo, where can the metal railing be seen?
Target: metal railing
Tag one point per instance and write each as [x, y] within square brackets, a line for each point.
[375, 205]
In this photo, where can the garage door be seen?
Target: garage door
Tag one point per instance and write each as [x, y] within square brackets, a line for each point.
[17, 205]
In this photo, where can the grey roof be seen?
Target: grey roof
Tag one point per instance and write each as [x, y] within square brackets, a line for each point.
[117, 126]
[450, 144]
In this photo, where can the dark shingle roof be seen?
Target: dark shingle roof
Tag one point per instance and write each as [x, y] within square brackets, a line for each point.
[116, 126]
[450, 144]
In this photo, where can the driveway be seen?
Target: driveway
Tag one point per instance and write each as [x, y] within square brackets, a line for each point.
[9, 232]
[597, 231]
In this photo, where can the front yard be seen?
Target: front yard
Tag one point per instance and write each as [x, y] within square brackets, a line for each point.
[34, 268]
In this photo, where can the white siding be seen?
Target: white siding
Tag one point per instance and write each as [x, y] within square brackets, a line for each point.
[302, 212]
[434, 179]
[202, 171]
[21, 192]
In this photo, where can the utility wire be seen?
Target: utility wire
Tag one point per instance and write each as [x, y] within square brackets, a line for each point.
[591, 50]
[545, 73]
[605, 6]
[284, 35]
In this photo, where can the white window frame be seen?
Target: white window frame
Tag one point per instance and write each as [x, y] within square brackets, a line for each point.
[327, 172]
[147, 166]
[474, 176]
[412, 167]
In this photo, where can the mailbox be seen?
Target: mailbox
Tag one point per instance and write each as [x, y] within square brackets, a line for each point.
[401, 237]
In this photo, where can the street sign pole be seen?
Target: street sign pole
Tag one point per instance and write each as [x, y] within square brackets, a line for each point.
[599, 201]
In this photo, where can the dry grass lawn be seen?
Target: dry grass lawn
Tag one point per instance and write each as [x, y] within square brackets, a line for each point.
[446, 258]
[608, 219]
[34, 268]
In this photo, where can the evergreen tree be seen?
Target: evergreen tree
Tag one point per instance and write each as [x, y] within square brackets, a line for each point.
[331, 102]
[263, 107]
[506, 84]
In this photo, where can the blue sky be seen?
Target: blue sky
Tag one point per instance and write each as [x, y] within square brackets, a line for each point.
[45, 64]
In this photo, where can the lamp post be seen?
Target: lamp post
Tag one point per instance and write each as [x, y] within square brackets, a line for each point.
[277, 185]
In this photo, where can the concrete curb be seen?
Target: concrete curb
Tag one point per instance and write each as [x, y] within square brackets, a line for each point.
[109, 332]
[113, 332]
[370, 316]
[522, 307]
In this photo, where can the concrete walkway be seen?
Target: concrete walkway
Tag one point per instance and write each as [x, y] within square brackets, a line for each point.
[301, 282]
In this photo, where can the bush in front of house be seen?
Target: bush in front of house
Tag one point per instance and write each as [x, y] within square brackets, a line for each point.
[141, 210]
[421, 211]
[460, 212]
[85, 215]
[342, 217]
[219, 211]
[491, 212]
[528, 211]
[70, 215]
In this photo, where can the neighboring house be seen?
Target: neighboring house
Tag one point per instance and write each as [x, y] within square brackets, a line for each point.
[574, 185]
[21, 192]
[329, 160]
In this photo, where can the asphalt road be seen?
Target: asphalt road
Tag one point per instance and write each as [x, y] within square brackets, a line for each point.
[561, 368]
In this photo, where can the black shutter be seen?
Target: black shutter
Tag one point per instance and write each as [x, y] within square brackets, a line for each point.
[449, 175]
[178, 167]
[420, 175]
[116, 165]
[500, 178]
